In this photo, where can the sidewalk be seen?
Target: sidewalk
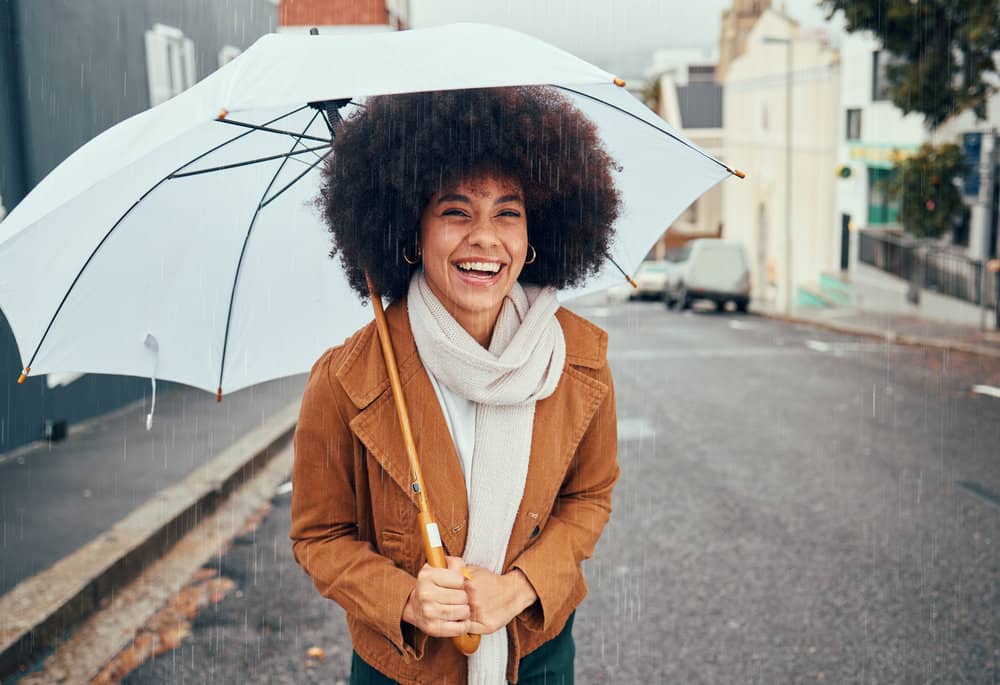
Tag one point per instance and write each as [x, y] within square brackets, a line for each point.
[904, 329]
[81, 516]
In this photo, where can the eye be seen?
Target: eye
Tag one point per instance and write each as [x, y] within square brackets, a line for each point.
[454, 212]
[510, 212]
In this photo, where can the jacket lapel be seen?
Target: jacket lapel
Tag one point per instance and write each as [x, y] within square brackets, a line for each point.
[560, 422]
[377, 425]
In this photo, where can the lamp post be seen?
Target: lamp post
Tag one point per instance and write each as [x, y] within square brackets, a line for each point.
[787, 42]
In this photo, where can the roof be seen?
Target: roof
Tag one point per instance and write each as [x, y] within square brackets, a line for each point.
[700, 105]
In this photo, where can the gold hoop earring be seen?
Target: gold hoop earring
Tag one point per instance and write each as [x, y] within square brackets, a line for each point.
[415, 260]
[533, 254]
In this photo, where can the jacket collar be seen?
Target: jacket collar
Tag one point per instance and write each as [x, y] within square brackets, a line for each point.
[560, 419]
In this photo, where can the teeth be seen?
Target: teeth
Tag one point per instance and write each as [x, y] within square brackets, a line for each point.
[492, 267]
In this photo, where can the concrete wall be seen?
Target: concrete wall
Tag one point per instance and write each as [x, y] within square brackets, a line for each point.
[13, 184]
[754, 114]
[84, 65]
[76, 69]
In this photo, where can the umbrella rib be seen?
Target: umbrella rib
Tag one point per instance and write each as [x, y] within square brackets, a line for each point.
[246, 240]
[135, 204]
[650, 124]
[268, 129]
[252, 161]
[293, 181]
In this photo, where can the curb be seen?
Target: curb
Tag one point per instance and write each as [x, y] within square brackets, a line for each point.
[887, 336]
[38, 611]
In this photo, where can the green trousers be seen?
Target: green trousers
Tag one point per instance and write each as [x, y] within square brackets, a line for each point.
[550, 664]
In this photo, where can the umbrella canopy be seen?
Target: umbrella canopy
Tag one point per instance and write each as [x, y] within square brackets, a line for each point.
[183, 244]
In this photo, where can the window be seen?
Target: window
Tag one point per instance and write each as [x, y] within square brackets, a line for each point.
[853, 127]
[227, 54]
[169, 63]
[881, 61]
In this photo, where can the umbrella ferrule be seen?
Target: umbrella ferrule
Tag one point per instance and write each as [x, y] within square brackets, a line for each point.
[416, 486]
[24, 375]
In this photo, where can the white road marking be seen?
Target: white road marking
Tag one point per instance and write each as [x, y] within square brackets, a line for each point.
[986, 390]
[819, 345]
[635, 429]
[711, 353]
[737, 325]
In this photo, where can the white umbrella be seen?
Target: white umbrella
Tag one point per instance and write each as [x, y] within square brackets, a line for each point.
[165, 247]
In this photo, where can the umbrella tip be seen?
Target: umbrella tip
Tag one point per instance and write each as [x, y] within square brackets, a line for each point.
[737, 173]
[620, 82]
[223, 114]
[314, 31]
[218, 394]
[24, 375]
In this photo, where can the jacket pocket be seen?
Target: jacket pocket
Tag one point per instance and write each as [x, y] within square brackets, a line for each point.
[402, 548]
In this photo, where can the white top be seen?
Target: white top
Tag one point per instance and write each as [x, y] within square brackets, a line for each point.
[460, 415]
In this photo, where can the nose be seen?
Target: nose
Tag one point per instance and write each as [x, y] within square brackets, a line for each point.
[483, 233]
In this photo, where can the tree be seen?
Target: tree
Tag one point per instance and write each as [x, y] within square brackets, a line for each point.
[943, 48]
[926, 185]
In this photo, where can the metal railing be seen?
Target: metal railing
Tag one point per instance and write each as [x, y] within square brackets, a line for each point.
[930, 267]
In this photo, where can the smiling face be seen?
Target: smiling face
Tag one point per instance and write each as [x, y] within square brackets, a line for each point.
[474, 239]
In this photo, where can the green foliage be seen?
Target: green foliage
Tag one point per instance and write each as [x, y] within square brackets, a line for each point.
[926, 186]
[944, 47]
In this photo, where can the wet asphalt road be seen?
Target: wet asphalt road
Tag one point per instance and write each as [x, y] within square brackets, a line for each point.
[795, 506]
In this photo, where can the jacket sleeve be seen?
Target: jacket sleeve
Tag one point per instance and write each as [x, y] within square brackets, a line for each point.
[324, 529]
[553, 563]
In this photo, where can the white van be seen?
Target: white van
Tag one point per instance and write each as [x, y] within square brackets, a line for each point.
[709, 269]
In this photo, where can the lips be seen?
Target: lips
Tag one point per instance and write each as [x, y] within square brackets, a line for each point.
[479, 278]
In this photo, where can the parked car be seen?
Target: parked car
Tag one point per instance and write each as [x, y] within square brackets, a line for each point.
[708, 269]
[650, 277]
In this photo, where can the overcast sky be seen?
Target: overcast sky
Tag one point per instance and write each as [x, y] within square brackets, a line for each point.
[618, 35]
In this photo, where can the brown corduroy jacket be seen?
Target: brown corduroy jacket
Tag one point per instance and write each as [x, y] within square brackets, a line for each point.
[354, 513]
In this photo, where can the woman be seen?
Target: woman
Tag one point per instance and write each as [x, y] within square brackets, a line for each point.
[468, 210]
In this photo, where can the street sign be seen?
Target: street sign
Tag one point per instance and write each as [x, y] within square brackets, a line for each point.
[972, 145]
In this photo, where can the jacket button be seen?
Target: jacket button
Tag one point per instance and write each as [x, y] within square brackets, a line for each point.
[536, 531]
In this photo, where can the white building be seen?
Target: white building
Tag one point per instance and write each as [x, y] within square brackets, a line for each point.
[873, 134]
[789, 246]
[691, 102]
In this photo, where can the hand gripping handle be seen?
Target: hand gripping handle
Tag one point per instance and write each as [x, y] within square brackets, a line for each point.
[468, 643]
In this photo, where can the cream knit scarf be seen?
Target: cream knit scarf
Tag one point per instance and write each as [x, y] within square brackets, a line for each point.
[523, 365]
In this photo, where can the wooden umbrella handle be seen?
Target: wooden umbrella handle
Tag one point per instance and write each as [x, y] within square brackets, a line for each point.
[469, 642]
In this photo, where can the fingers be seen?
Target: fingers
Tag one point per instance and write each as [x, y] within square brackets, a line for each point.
[443, 577]
[458, 564]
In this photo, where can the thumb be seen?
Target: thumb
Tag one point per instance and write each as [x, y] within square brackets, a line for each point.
[457, 564]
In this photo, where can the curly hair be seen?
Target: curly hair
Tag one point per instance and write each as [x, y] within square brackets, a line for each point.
[392, 155]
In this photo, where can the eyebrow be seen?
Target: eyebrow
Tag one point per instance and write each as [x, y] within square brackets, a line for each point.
[457, 197]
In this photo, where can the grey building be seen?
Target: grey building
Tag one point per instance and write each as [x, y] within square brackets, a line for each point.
[68, 71]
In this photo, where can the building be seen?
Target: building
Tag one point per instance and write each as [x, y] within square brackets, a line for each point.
[690, 101]
[886, 269]
[343, 16]
[873, 136]
[784, 210]
[737, 21]
[68, 71]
